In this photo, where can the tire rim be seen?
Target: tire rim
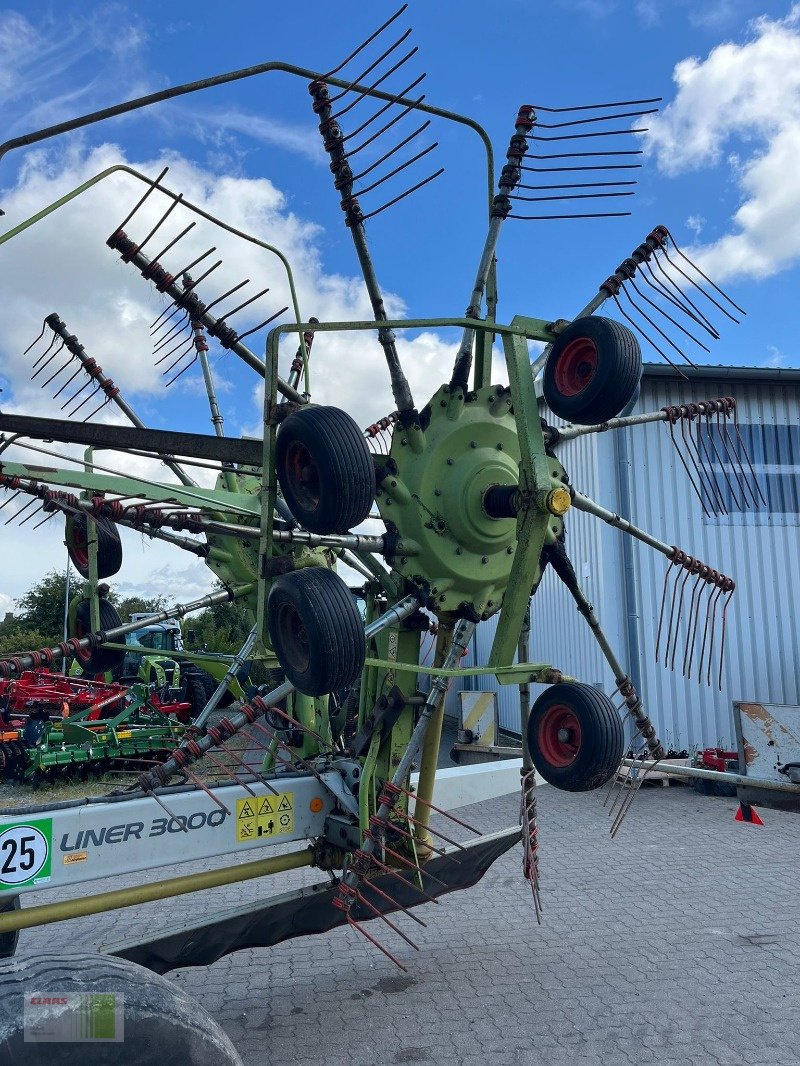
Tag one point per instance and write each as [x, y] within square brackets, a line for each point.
[291, 634]
[79, 548]
[559, 735]
[302, 475]
[576, 366]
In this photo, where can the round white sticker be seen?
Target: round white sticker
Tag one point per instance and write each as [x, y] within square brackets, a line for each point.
[23, 853]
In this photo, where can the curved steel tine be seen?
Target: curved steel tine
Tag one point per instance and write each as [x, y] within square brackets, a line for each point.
[31, 345]
[662, 290]
[397, 170]
[694, 266]
[261, 325]
[681, 293]
[369, 40]
[139, 203]
[403, 195]
[649, 340]
[368, 70]
[48, 361]
[669, 317]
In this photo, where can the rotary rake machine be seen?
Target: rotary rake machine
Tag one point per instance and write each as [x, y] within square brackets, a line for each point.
[472, 498]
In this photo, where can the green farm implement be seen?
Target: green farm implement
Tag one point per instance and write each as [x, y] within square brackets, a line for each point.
[449, 508]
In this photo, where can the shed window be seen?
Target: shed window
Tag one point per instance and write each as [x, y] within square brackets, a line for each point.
[774, 454]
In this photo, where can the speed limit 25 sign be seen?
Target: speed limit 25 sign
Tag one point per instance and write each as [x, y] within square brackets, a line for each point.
[25, 853]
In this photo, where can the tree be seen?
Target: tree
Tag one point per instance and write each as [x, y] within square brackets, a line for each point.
[14, 640]
[41, 609]
[136, 604]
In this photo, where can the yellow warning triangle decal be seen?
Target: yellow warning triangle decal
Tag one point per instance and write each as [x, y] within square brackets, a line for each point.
[266, 807]
[285, 804]
[247, 811]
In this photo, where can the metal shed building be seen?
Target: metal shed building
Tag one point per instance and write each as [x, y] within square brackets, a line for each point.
[637, 473]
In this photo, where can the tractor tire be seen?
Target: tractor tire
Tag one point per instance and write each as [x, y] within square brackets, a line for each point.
[109, 546]
[154, 1022]
[316, 630]
[593, 371]
[325, 469]
[575, 737]
[9, 941]
[196, 695]
[97, 660]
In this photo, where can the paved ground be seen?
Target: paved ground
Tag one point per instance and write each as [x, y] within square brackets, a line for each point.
[677, 943]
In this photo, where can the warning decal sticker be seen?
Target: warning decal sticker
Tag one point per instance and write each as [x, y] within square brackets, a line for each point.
[264, 816]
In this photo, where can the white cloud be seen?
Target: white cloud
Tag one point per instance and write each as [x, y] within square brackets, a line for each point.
[747, 93]
[63, 264]
[695, 223]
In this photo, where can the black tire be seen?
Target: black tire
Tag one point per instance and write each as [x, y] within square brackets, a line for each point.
[9, 941]
[196, 694]
[575, 737]
[109, 546]
[316, 630]
[97, 660]
[162, 1023]
[593, 371]
[325, 469]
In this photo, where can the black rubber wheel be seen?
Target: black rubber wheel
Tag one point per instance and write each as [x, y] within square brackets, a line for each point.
[161, 1023]
[97, 660]
[109, 546]
[575, 737]
[325, 469]
[316, 630]
[593, 371]
[196, 694]
[9, 941]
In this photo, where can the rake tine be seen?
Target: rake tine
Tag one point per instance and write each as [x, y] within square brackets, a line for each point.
[35, 342]
[648, 339]
[52, 357]
[267, 321]
[178, 301]
[151, 189]
[669, 317]
[712, 578]
[91, 415]
[368, 70]
[403, 195]
[647, 318]
[381, 111]
[383, 825]
[229, 314]
[47, 519]
[703, 579]
[53, 340]
[30, 516]
[396, 903]
[593, 118]
[9, 500]
[747, 457]
[585, 136]
[77, 393]
[369, 40]
[626, 806]
[187, 346]
[172, 816]
[706, 459]
[172, 243]
[663, 603]
[55, 375]
[379, 914]
[708, 410]
[392, 151]
[692, 623]
[380, 80]
[176, 329]
[728, 599]
[22, 510]
[723, 413]
[694, 266]
[181, 372]
[681, 294]
[447, 814]
[207, 790]
[162, 220]
[70, 379]
[230, 292]
[662, 290]
[677, 565]
[71, 414]
[716, 595]
[435, 832]
[709, 484]
[360, 929]
[671, 424]
[404, 861]
[686, 577]
[397, 169]
[299, 725]
[396, 873]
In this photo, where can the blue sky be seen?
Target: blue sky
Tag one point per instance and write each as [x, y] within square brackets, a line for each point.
[722, 170]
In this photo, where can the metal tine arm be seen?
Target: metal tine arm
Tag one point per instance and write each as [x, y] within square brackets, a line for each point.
[583, 136]
[175, 307]
[367, 89]
[596, 107]
[162, 220]
[398, 169]
[595, 118]
[573, 196]
[501, 206]
[370, 68]
[703, 275]
[382, 110]
[367, 41]
[391, 152]
[576, 184]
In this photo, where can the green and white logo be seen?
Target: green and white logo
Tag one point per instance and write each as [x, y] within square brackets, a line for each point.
[25, 851]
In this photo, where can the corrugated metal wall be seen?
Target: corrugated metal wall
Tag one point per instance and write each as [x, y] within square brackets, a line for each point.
[759, 551]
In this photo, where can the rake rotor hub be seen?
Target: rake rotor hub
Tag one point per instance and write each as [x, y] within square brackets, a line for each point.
[456, 496]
